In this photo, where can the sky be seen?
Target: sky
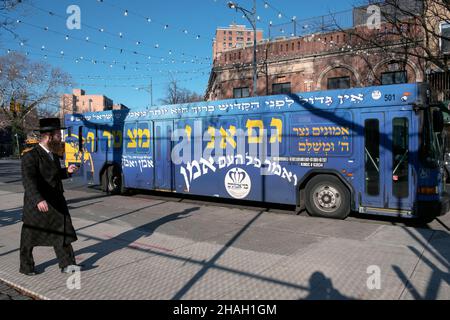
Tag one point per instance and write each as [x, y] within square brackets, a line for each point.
[124, 46]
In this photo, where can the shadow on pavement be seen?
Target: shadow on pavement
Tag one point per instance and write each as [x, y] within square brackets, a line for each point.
[321, 288]
[440, 275]
[10, 216]
[123, 240]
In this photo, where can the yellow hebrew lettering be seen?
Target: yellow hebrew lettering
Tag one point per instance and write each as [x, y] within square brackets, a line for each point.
[188, 130]
[109, 137]
[251, 124]
[212, 133]
[228, 137]
[345, 146]
[132, 135]
[146, 134]
[278, 124]
[90, 139]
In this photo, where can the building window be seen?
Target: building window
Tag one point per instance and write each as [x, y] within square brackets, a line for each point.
[241, 93]
[394, 77]
[281, 88]
[338, 83]
[445, 35]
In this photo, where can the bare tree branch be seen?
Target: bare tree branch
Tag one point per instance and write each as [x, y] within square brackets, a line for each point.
[26, 86]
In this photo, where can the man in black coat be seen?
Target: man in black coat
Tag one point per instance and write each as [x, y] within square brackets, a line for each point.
[46, 218]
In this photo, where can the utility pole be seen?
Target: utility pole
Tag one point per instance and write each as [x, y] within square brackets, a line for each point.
[18, 146]
[151, 92]
[251, 17]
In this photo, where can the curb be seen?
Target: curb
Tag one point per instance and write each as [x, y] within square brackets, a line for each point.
[24, 291]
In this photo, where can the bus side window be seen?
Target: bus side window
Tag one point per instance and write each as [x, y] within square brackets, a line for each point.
[400, 149]
[372, 157]
[80, 138]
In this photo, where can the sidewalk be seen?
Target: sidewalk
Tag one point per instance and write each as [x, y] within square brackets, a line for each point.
[158, 249]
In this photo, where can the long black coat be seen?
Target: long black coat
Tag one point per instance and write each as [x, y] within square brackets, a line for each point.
[42, 181]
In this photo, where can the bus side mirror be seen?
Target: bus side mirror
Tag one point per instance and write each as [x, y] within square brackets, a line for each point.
[438, 121]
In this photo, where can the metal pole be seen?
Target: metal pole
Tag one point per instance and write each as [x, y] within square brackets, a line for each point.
[255, 74]
[151, 92]
[18, 147]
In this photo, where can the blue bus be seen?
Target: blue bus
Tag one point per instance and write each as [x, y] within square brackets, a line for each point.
[373, 150]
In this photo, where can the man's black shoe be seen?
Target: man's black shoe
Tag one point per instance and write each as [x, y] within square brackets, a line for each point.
[30, 273]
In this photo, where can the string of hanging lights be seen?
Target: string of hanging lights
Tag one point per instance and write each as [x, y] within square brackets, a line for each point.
[119, 35]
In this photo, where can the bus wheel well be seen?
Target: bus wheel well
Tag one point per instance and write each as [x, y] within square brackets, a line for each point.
[103, 171]
[302, 186]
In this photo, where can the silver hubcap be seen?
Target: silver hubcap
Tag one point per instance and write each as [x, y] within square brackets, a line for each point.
[114, 183]
[327, 198]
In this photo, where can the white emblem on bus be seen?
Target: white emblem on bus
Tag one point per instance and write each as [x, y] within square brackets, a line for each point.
[376, 95]
[238, 183]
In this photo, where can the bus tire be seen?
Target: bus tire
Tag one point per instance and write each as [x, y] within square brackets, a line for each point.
[327, 197]
[114, 182]
[104, 180]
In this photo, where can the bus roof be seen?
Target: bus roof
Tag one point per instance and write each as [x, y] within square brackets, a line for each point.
[330, 100]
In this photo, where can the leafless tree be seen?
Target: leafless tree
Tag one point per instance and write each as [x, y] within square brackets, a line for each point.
[176, 94]
[25, 88]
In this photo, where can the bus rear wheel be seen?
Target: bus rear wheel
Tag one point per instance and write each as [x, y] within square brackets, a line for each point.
[327, 197]
[112, 180]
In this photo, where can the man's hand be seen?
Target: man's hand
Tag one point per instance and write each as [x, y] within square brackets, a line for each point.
[42, 206]
[72, 169]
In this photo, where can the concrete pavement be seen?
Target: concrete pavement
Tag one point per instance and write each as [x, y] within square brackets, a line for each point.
[163, 248]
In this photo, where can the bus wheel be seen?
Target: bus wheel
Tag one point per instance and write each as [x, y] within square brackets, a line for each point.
[113, 180]
[327, 197]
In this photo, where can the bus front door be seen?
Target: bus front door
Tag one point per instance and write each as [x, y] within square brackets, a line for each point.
[399, 182]
[387, 170]
[162, 155]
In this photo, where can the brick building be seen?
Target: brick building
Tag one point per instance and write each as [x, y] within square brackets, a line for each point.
[79, 102]
[232, 37]
[322, 60]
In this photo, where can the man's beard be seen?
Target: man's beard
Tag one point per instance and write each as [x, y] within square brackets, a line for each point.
[53, 146]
